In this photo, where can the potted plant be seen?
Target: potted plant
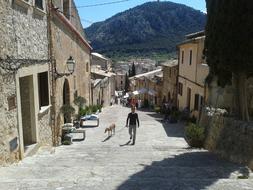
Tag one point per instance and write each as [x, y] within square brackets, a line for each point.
[194, 135]
[68, 111]
[79, 101]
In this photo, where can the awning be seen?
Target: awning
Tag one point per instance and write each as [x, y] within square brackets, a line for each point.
[135, 92]
[142, 91]
[126, 95]
[152, 92]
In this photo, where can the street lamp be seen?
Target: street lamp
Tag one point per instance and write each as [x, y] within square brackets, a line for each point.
[71, 64]
[71, 68]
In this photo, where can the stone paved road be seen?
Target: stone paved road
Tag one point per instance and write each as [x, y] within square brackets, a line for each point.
[159, 160]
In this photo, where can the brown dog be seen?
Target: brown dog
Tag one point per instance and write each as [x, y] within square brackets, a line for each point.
[110, 129]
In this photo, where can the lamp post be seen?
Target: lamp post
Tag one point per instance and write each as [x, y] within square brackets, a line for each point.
[71, 63]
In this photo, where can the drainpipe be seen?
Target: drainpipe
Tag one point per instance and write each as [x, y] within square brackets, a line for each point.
[52, 67]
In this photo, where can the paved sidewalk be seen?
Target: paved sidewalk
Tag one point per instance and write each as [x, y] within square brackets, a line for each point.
[160, 159]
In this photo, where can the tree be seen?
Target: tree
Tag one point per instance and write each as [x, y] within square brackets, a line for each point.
[133, 70]
[126, 83]
[129, 73]
[229, 45]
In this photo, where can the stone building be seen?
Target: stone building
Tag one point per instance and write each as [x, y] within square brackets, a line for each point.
[24, 79]
[192, 73]
[103, 88]
[68, 42]
[120, 80]
[147, 88]
[170, 72]
[100, 60]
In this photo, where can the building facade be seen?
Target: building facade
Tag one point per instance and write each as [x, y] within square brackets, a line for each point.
[170, 73]
[24, 79]
[192, 73]
[99, 60]
[120, 80]
[67, 41]
[146, 88]
[103, 88]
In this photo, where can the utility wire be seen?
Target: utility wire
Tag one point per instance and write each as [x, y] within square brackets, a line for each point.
[101, 4]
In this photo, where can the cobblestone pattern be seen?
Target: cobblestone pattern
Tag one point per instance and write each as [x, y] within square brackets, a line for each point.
[160, 160]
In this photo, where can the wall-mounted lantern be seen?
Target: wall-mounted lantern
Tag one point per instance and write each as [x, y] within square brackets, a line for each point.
[71, 63]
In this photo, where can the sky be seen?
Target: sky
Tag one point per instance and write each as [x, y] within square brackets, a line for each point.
[90, 15]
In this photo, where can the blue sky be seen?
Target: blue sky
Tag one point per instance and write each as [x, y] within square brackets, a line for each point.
[100, 13]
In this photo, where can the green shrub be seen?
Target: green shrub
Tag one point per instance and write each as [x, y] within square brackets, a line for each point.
[94, 108]
[146, 103]
[100, 108]
[157, 109]
[66, 142]
[68, 111]
[82, 112]
[194, 135]
[79, 101]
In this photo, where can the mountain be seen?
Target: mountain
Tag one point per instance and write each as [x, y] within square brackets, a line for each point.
[153, 27]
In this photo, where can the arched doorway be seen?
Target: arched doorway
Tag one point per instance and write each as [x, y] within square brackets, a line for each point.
[66, 99]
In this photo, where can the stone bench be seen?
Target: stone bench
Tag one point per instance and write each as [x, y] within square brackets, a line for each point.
[68, 128]
[79, 131]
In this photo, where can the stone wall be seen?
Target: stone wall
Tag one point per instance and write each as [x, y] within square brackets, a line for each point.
[8, 126]
[23, 31]
[66, 43]
[45, 132]
[229, 138]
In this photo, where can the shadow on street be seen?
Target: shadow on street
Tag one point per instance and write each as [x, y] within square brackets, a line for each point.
[171, 129]
[107, 138]
[193, 170]
[127, 143]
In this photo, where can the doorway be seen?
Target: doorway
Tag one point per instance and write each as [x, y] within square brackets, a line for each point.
[28, 110]
[66, 99]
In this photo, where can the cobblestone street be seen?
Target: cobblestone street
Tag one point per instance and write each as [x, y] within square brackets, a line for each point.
[160, 159]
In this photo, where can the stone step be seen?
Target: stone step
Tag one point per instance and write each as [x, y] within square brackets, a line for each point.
[130, 184]
[124, 170]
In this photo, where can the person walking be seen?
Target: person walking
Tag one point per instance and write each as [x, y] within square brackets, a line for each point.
[132, 121]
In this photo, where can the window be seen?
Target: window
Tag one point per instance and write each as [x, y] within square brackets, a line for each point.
[196, 102]
[170, 72]
[188, 100]
[182, 57]
[11, 102]
[180, 88]
[43, 89]
[39, 4]
[121, 82]
[66, 8]
[87, 67]
[190, 57]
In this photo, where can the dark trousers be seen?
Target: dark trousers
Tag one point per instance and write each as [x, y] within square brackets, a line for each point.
[132, 132]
